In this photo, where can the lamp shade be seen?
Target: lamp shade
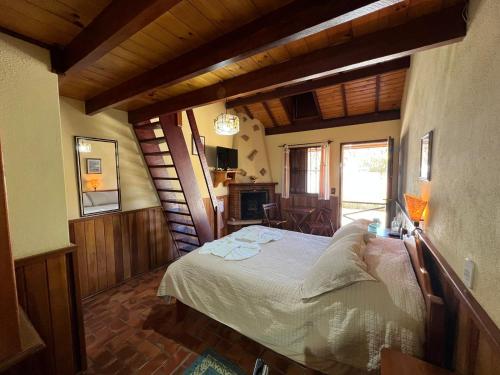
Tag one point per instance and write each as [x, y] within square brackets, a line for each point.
[227, 124]
[94, 183]
[415, 207]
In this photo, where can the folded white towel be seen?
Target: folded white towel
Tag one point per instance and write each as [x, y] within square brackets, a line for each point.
[257, 234]
[243, 251]
[230, 249]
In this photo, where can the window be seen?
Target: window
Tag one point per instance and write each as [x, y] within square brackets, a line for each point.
[304, 170]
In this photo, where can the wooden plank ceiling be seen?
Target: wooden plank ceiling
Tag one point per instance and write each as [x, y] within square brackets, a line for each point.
[378, 93]
[191, 24]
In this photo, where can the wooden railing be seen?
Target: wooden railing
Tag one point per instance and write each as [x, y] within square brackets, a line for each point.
[204, 166]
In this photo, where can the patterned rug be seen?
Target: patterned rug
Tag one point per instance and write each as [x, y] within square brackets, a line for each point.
[211, 363]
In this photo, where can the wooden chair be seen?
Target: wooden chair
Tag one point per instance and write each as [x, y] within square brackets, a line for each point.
[321, 222]
[272, 216]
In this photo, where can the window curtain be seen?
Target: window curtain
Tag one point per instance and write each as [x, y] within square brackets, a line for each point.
[324, 173]
[285, 179]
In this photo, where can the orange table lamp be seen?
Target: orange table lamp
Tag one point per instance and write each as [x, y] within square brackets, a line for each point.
[415, 207]
[94, 183]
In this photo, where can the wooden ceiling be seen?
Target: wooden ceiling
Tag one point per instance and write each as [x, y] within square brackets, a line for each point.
[157, 56]
[373, 94]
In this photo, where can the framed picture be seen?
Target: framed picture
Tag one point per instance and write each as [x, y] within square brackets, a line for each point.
[194, 151]
[94, 166]
[426, 156]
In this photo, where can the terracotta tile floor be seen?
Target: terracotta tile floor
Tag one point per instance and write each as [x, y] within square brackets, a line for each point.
[131, 331]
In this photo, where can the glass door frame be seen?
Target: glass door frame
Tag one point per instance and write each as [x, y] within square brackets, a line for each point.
[390, 169]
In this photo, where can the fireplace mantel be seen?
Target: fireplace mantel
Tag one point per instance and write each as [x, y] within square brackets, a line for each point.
[243, 184]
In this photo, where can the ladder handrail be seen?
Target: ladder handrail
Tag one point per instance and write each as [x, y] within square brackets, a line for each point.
[204, 166]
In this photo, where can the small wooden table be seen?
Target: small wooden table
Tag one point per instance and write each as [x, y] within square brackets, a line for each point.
[397, 363]
[299, 215]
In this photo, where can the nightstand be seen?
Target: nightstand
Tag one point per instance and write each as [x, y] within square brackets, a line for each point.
[397, 363]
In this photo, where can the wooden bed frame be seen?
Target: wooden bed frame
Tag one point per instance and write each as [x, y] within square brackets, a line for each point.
[434, 305]
[459, 334]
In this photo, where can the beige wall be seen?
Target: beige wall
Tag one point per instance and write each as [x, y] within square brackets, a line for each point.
[137, 190]
[253, 131]
[455, 90]
[364, 132]
[205, 117]
[30, 133]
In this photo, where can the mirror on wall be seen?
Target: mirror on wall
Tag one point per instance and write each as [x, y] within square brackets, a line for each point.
[98, 175]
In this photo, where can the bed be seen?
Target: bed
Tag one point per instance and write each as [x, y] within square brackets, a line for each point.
[339, 332]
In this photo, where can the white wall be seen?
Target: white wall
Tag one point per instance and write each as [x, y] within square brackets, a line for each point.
[455, 91]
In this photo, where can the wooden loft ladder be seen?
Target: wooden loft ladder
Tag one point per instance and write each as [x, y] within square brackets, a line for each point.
[169, 162]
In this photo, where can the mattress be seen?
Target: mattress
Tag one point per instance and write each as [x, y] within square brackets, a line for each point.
[338, 332]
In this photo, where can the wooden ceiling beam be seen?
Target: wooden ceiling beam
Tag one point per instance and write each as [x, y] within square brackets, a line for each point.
[294, 21]
[116, 23]
[270, 114]
[248, 112]
[300, 88]
[377, 94]
[335, 122]
[436, 29]
[344, 99]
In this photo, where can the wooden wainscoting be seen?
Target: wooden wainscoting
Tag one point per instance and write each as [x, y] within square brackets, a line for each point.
[308, 200]
[473, 339]
[47, 287]
[115, 247]
[222, 231]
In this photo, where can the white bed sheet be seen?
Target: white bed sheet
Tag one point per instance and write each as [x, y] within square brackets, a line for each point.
[338, 332]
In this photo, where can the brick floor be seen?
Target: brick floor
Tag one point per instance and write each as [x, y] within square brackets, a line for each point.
[131, 331]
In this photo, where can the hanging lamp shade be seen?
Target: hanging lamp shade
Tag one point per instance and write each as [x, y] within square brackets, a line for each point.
[227, 124]
[415, 207]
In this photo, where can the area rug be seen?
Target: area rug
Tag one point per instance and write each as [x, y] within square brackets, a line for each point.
[211, 363]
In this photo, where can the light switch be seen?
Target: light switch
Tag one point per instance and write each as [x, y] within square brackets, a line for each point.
[468, 272]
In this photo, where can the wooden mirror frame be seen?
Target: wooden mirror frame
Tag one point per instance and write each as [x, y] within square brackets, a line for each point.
[79, 175]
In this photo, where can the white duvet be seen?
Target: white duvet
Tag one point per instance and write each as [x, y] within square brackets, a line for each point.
[338, 332]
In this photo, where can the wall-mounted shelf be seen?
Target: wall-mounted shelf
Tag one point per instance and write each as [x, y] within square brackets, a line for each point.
[224, 177]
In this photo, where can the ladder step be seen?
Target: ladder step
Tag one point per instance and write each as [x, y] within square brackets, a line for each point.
[158, 153]
[187, 248]
[154, 140]
[180, 223]
[153, 126]
[184, 233]
[173, 201]
[170, 211]
[161, 166]
[171, 190]
[186, 242]
[166, 178]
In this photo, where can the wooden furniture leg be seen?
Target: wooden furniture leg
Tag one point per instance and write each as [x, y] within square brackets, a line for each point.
[180, 311]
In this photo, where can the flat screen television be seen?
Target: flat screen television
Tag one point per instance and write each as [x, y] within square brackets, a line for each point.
[227, 158]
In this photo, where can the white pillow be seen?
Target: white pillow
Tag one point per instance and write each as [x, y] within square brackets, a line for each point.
[86, 201]
[338, 267]
[357, 226]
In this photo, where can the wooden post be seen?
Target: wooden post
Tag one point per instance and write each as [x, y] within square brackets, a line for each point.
[10, 341]
[204, 167]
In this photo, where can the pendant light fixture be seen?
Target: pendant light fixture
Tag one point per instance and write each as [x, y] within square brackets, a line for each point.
[227, 124]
